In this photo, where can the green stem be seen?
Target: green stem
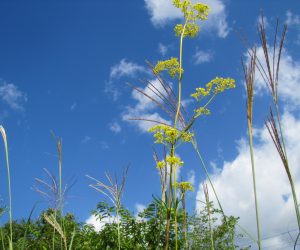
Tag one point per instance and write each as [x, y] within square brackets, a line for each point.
[254, 183]
[118, 225]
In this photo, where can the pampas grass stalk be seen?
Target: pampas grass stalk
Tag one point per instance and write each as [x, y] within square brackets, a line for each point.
[113, 191]
[249, 80]
[4, 137]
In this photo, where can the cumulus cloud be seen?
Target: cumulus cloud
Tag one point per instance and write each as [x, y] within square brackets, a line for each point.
[202, 56]
[144, 107]
[124, 68]
[161, 12]
[234, 182]
[12, 96]
[99, 224]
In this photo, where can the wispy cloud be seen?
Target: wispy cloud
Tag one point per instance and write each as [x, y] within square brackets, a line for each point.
[115, 127]
[293, 20]
[73, 106]
[124, 68]
[144, 108]
[162, 49]
[86, 139]
[201, 56]
[162, 12]
[12, 96]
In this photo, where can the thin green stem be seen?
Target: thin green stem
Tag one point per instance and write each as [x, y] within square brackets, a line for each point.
[254, 183]
[118, 225]
[175, 210]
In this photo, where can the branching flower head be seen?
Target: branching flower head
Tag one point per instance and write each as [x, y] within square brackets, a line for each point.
[192, 13]
[215, 86]
[184, 186]
[171, 65]
[166, 135]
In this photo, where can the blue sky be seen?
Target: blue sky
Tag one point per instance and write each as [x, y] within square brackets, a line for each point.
[64, 67]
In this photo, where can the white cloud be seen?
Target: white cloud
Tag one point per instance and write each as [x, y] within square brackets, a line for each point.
[289, 77]
[144, 108]
[97, 224]
[162, 12]
[191, 177]
[139, 208]
[202, 56]
[233, 182]
[122, 69]
[115, 127]
[125, 68]
[12, 96]
[162, 49]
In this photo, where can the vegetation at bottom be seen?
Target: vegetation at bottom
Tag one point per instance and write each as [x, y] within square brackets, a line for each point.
[143, 231]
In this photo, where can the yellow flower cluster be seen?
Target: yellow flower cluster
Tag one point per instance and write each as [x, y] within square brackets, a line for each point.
[215, 86]
[168, 135]
[160, 164]
[184, 186]
[171, 65]
[194, 12]
[174, 161]
[191, 30]
[202, 111]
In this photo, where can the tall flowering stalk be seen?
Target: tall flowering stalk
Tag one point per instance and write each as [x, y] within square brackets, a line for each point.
[249, 72]
[164, 96]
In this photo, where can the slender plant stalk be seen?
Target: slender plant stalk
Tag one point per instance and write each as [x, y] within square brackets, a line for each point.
[175, 125]
[3, 133]
[254, 185]
[170, 198]
[249, 72]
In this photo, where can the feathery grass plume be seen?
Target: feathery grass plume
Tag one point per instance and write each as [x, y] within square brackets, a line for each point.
[113, 191]
[51, 219]
[50, 189]
[270, 74]
[4, 137]
[277, 140]
[249, 72]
